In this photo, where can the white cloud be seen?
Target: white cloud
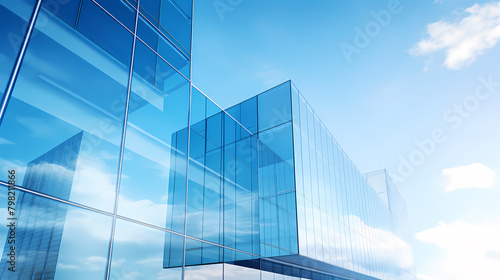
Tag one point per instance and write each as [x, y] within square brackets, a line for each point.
[463, 40]
[467, 250]
[475, 175]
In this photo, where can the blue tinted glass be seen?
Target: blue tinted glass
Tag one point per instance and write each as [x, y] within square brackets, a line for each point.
[145, 62]
[185, 5]
[105, 31]
[229, 130]
[280, 141]
[195, 272]
[274, 106]
[295, 105]
[13, 31]
[177, 23]
[66, 10]
[198, 106]
[249, 114]
[214, 130]
[152, 8]
[121, 11]
[68, 125]
[52, 239]
[193, 252]
[155, 154]
[163, 73]
[145, 252]
[173, 56]
[235, 112]
[147, 33]
[195, 185]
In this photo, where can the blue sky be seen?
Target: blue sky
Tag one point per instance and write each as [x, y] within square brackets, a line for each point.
[419, 96]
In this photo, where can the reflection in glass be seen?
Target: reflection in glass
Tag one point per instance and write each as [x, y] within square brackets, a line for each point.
[140, 252]
[51, 104]
[155, 154]
[56, 240]
[274, 106]
[14, 25]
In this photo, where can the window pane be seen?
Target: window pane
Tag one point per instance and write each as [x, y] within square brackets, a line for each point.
[279, 140]
[121, 11]
[67, 131]
[65, 10]
[103, 30]
[152, 7]
[177, 23]
[205, 272]
[145, 62]
[249, 115]
[155, 154]
[145, 253]
[56, 240]
[185, 5]
[14, 24]
[178, 60]
[147, 33]
[275, 106]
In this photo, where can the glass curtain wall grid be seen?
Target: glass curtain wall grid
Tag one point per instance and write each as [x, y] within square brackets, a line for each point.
[125, 170]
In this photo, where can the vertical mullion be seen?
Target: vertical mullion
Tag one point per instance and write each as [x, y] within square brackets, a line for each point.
[187, 181]
[19, 60]
[122, 145]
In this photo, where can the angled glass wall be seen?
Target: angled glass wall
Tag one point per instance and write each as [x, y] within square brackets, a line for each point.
[342, 220]
[268, 116]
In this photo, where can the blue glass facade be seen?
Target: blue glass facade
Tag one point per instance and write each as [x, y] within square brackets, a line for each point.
[125, 170]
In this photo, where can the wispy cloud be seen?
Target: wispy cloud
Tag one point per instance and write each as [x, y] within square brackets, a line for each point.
[475, 175]
[464, 40]
[468, 249]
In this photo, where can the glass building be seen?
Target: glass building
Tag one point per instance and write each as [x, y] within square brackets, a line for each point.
[125, 170]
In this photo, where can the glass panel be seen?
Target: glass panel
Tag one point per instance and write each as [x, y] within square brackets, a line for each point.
[295, 106]
[65, 10]
[67, 131]
[280, 141]
[121, 11]
[236, 272]
[152, 8]
[249, 115]
[141, 252]
[155, 154]
[15, 15]
[198, 253]
[185, 5]
[275, 106]
[303, 114]
[147, 33]
[301, 217]
[113, 38]
[178, 60]
[55, 240]
[310, 125]
[205, 272]
[177, 24]
[145, 62]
